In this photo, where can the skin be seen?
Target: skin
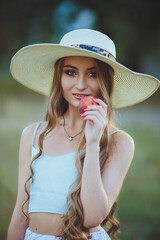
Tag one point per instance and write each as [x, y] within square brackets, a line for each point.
[79, 75]
[102, 188]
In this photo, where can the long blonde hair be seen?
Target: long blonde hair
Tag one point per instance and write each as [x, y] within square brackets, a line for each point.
[73, 219]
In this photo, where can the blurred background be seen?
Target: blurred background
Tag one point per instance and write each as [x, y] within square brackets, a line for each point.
[134, 26]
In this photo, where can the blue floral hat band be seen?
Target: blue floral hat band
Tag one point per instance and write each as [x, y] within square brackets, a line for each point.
[98, 50]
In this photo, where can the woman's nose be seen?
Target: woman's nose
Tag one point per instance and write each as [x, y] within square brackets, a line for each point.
[81, 82]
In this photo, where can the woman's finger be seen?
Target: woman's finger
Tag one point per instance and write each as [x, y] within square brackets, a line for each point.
[101, 103]
[102, 120]
[96, 107]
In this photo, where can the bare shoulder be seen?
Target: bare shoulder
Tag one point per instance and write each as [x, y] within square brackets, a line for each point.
[121, 147]
[30, 128]
[26, 142]
[27, 132]
[122, 137]
[123, 141]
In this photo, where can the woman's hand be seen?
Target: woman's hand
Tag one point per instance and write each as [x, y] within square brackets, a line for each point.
[96, 121]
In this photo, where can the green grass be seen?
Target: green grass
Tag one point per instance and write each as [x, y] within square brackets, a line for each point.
[138, 203]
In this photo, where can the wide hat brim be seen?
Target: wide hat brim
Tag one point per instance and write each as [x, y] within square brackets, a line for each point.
[33, 66]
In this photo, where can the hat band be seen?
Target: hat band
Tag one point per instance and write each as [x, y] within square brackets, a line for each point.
[98, 50]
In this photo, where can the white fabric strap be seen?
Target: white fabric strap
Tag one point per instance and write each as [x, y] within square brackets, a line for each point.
[34, 134]
[115, 132]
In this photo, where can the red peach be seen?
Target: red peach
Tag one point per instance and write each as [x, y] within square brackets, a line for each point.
[85, 102]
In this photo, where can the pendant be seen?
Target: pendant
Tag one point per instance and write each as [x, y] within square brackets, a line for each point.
[70, 138]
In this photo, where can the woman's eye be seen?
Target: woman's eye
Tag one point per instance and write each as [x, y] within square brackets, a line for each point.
[93, 74]
[70, 72]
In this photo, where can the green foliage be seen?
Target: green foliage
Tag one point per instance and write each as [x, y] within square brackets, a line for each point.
[133, 25]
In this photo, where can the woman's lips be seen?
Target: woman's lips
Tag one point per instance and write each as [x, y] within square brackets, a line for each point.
[80, 97]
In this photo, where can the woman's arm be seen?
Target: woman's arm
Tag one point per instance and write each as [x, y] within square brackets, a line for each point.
[99, 192]
[18, 224]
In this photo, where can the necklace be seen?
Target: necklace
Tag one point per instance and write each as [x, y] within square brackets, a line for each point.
[70, 138]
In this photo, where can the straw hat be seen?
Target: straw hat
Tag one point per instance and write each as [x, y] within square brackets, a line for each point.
[33, 66]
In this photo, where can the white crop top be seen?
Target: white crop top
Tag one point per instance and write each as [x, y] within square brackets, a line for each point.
[53, 177]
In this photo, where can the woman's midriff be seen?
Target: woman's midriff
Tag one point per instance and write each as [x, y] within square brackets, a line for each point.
[49, 224]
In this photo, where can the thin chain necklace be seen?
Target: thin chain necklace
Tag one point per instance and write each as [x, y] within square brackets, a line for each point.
[69, 137]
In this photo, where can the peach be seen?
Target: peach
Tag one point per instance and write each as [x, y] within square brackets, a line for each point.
[85, 102]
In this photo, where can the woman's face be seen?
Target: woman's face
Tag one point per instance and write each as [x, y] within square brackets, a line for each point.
[79, 76]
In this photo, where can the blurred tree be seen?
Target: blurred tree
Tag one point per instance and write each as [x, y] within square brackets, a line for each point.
[133, 25]
[16, 18]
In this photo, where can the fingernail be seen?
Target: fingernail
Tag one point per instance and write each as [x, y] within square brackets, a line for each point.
[82, 113]
[84, 108]
[83, 118]
[95, 98]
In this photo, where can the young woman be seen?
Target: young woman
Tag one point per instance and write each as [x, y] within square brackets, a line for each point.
[71, 165]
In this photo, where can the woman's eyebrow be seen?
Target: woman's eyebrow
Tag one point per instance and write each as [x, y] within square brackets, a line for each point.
[91, 68]
[70, 66]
